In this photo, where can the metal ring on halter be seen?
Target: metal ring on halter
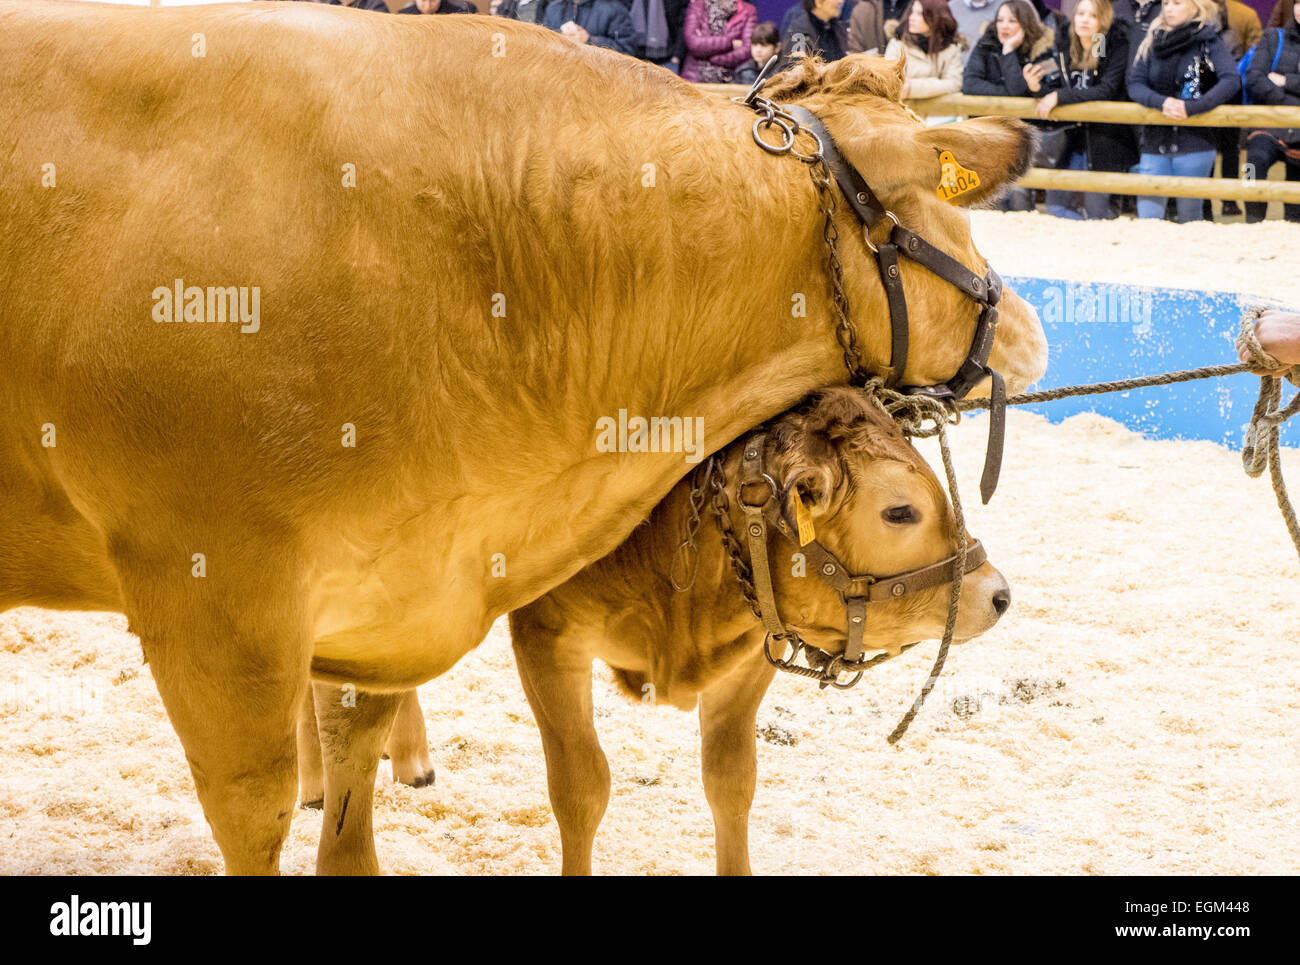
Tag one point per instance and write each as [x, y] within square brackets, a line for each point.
[845, 686]
[809, 158]
[784, 663]
[866, 231]
[788, 135]
[775, 494]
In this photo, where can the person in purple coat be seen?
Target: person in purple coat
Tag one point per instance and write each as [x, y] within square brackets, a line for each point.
[717, 34]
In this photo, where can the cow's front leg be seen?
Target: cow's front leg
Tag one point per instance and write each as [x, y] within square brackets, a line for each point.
[353, 725]
[728, 710]
[408, 744]
[557, 682]
[228, 648]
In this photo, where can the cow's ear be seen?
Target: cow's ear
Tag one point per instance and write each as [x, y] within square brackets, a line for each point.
[814, 487]
[998, 149]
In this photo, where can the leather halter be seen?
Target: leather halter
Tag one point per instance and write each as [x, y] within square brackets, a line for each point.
[869, 211]
[856, 590]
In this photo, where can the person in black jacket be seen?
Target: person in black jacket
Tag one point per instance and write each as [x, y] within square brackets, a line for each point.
[1093, 53]
[1182, 68]
[377, 5]
[438, 6]
[525, 11]
[1012, 48]
[1274, 78]
[1015, 40]
[815, 27]
[601, 23]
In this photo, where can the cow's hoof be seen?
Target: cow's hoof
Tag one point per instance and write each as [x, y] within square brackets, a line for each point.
[315, 804]
[422, 779]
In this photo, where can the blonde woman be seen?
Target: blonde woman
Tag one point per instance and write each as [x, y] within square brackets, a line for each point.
[1182, 68]
[1093, 53]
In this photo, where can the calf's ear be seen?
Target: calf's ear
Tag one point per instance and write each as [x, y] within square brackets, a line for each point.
[814, 486]
[998, 149]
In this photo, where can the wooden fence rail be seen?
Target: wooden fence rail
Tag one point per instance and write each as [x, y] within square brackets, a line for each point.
[1119, 112]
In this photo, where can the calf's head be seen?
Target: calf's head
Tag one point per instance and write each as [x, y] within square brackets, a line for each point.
[857, 98]
[875, 504]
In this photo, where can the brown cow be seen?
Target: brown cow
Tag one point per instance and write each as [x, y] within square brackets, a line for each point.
[454, 246]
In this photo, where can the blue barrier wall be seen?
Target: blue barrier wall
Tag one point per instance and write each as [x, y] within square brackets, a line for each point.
[1101, 332]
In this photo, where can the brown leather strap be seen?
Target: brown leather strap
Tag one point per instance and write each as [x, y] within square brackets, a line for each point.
[942, 264]
[855, 607]
[997, 437]
[752, 475]
[873, 589]
[892, 278]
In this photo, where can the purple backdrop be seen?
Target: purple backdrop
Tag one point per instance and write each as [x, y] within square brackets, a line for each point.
[774, 9]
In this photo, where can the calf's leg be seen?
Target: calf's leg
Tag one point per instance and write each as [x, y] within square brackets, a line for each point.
[408, 744]
[728, 710]
[557, 682]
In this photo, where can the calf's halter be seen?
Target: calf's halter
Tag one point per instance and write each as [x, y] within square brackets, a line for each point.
[791, 120]
[762, 502]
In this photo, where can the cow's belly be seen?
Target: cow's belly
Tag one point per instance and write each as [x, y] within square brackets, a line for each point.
[392, 627]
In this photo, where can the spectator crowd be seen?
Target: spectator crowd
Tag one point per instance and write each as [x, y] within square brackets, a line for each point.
[1180, 57]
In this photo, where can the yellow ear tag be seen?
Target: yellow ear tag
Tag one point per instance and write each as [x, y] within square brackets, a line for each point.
[953, 178]
[803, 519]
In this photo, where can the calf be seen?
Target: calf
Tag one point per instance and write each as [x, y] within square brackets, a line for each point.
[872, 501]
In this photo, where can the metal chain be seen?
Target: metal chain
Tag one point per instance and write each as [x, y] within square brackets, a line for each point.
[845, 333]
[688, 553]
[730, 544]
[771, 115]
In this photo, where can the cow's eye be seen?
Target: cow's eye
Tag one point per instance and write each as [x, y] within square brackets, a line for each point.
[899, 514]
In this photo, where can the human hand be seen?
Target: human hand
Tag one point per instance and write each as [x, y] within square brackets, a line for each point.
[1045, 105]
[1277, 79]
[1174, 108]
[1279, 336]
[737, 44]
[1014, 41]
[1033, 74]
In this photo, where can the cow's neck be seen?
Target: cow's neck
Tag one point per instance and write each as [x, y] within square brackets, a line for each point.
[692, 637]
[692, 322]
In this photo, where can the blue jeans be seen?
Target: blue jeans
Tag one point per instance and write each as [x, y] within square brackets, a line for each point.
[1196, 164]
[1095, 206]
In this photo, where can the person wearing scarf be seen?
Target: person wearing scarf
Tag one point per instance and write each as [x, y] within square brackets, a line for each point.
[717, 36]
[1182, 69]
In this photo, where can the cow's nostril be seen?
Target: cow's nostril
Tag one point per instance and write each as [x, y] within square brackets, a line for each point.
[1001, 601]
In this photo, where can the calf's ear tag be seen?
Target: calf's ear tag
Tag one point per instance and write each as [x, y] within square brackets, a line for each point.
[953, 178]
[803, 519]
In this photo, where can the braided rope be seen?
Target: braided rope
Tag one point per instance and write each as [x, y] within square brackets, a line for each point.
[1261, 446]
[922, 417]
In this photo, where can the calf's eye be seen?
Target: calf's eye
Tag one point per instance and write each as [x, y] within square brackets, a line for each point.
[899, 514]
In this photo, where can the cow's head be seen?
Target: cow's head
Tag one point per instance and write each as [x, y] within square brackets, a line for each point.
[857, 99]
[877, 506]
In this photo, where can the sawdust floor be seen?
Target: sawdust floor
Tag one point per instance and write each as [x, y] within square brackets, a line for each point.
[1134, 713]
